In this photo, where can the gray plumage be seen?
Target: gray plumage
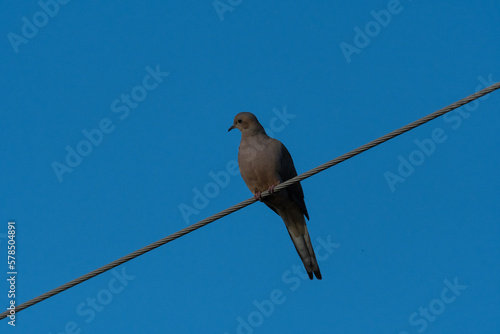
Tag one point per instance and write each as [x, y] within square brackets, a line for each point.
[264, 163]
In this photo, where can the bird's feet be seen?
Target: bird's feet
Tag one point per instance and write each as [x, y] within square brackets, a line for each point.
[257, 195]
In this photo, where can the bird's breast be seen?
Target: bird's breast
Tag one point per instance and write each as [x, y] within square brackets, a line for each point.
[258, 167]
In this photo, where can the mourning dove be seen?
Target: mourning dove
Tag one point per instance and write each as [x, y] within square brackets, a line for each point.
[264, 163]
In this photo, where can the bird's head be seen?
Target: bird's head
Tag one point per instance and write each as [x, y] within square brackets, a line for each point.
[247, 123]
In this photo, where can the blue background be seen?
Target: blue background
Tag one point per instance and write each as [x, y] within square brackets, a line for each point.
[391, 247]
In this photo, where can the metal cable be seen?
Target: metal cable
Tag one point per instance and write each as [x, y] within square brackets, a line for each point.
[249, 201]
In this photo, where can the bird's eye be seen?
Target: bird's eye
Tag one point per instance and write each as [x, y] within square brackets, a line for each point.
[239, 121]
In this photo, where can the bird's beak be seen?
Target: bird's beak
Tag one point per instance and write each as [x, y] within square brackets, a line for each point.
[232, 127]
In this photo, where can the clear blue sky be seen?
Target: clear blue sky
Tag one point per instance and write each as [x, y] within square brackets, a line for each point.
[113, 130]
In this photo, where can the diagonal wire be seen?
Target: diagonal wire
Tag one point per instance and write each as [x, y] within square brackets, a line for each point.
[249, 201]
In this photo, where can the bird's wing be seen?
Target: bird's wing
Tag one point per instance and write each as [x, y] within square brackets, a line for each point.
[286, 172]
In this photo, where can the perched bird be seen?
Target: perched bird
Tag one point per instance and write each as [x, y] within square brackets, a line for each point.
[264, 163]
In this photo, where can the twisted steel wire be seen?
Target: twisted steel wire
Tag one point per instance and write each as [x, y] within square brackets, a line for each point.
[249, 201]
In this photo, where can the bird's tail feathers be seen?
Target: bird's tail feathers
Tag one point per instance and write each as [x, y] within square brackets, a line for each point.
[302, 242]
